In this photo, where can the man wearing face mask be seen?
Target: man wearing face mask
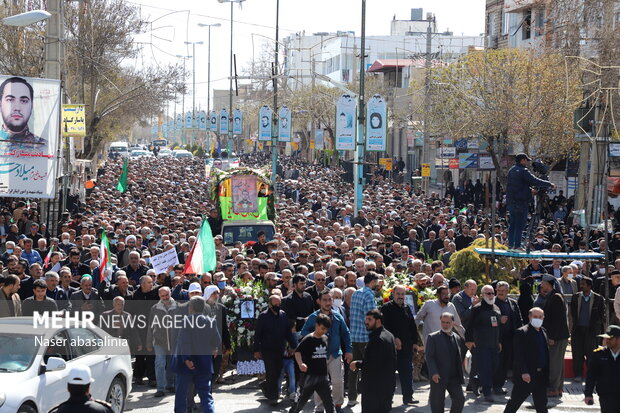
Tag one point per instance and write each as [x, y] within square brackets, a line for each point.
[604, 373]
[217, 310]
[482, 339]
[272, 331]
[531, 364]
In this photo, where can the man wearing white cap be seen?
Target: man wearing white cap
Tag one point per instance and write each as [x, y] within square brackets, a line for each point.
[80, 400]
[217, 310]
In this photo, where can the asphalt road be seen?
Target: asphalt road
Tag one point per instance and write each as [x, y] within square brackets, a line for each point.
[242, 395]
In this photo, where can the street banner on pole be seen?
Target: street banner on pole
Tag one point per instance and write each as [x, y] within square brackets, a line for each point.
[376, 126]
[179, 122]
[264, 123]
[237, 122]
[29, 127]
[202, 120]
[284, 124]
[188, 120]
[318, 139]
[346, 111]
[213, 121]
[468, 160]
[74, 120]
[223, 121]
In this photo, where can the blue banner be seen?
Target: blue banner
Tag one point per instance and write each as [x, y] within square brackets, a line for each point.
[188, 120]
[224, 121]
[237, 122]
[346, 111]
[202, 120]
[284, 124]
[318, 139]
[213, 121]
[376, 124]
[265, 116]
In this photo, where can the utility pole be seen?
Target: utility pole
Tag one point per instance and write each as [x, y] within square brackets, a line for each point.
[358, 175]
[194, 89]
[274, 135]
[229, 146]
[427, 86]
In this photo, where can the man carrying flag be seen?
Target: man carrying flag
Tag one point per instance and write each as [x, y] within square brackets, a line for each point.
[122, 181]
[105, 263]
[201, 258]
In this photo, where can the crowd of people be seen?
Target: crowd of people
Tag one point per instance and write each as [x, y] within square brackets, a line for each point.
[331, 326]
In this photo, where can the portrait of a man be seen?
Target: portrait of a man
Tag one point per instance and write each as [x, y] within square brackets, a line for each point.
[16, 107]
[264, 121]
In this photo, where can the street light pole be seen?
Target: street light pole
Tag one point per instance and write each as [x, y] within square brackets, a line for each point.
[194, 89]
[274, 137]
[361, 132]
[229, 146]
[209, 61]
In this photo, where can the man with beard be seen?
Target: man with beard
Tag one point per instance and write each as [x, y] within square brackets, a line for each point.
[510, 321]
[16, 96]
[362, 302]
[482, 339]
[378, 366]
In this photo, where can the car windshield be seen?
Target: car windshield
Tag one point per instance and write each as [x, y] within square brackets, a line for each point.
[16, 352]
[245, 233]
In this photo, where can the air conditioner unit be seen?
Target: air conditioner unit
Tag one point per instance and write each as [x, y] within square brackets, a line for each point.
[492, 41]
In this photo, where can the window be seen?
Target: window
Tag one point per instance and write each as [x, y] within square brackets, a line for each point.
[505, 23]
[540, 22]
[85, 341]
[526, 26]
[491, 24]
[59, 347]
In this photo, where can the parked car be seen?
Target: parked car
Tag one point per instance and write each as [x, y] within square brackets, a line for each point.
[35, 364]
[140, 153]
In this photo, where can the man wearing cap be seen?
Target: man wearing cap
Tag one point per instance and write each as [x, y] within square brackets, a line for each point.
[80, 400]
[604, 373]
[519, 197]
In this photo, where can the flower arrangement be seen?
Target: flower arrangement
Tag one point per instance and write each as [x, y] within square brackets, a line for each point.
[242, 330]
[385, 294]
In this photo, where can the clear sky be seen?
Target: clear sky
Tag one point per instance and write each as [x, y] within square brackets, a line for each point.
[255, 24]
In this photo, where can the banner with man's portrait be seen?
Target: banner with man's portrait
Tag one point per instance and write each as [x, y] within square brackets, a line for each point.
[224, 122]
[237, 122]
[284, 124]
[29, 130]
[376, 124]
[265, 114]
[202, 120]
[346, 112]
[213, 121]
[244, 194]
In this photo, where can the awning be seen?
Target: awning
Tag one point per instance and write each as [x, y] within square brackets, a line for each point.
[390, 65]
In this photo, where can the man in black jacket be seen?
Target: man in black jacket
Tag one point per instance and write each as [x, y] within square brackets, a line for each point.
[482, 339]
[556, 324]
[509, 322]
[604, 373]
[587, 310]
[271, 332]
[519, 197]
[398, 320]
[444, 358]
[378, 366]
[531, 368]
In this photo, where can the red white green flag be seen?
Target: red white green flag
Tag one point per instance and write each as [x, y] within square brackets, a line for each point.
[48, 256]
[105, 256]
[201, 258]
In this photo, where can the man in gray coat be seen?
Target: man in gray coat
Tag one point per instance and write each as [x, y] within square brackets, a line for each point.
[444, 358]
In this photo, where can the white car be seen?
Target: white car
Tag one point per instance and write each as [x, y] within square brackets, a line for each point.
[181, 153]
[35, 364]
[140, 153]
[164, 153]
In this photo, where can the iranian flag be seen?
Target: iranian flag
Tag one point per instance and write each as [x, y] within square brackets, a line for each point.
[48, 257]
[201, 258]
[463, 210]
[105, 256]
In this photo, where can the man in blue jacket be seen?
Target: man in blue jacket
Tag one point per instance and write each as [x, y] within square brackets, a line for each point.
[519, 197]
[337, 337]
[196, 345]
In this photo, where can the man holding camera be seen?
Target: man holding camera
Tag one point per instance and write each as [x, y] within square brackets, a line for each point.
[519, 196]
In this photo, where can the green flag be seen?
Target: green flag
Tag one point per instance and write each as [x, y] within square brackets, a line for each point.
[463, 210]
[122, 181]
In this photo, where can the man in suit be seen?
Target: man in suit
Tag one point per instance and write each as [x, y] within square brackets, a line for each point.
[87, 299]
[378, 366]
[444, 358]
[531, 367]
[587, 310]
[192, 361]
[10, 303]
[556, 326]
